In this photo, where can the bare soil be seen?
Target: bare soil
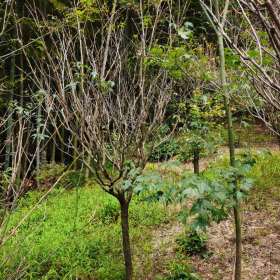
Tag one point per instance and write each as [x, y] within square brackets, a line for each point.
[261, 243]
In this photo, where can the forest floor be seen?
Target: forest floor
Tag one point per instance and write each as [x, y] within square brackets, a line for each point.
[75, 233]
[261, 238]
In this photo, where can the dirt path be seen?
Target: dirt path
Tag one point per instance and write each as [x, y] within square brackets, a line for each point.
[261, 247]
[261, 244]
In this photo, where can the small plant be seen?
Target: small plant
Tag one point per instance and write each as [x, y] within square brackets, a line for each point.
[193, 242]
[181, 272]
[200, 136]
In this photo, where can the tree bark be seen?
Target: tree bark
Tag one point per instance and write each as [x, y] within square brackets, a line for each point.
[196, 157]
[125, 238]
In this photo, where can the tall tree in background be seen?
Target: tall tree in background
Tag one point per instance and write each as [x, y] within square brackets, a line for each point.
[260, 54]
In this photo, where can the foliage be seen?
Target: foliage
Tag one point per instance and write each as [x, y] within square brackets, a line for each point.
[161, 182]
[216, 193]
[165, 150]
[213, 194]
[201, 131]
[181, 272]
[5, 177]
[192, 242]
[50, 173]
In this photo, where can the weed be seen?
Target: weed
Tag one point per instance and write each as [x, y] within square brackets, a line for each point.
[192, 242]
[181, 272]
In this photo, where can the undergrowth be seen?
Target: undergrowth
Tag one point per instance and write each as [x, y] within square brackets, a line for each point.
[74, 234]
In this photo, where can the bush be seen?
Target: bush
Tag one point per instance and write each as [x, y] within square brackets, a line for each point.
[165, 150]
[181, 272]
[193, 243]
[50, 173]
[206, 144]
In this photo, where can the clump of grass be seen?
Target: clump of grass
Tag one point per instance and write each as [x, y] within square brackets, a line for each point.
[266, 171]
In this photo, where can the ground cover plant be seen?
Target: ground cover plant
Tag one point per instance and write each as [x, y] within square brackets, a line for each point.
[71, 236]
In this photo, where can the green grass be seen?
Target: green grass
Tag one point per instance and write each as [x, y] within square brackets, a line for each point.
[75, 235]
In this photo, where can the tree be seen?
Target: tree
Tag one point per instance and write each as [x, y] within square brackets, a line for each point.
[113, 101]
[220, 17]
[260, 54]
[200, 134]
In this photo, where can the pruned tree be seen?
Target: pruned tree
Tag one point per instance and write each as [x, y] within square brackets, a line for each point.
[104, 93]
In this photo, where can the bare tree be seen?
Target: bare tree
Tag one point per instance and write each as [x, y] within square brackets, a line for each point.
[259, 16]
[105, 94]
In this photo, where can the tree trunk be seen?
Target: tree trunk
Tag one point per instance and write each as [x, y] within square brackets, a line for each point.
[87, 173]
[237, 219]
[238, 242]
[53, 149]
[196, 157]
[38, 139]
[125, 238]
[53, 144]
[278, 140]
[62, 154]
[8, 150]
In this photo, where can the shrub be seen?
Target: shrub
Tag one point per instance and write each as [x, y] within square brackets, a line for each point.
[181, 272]
[193, 243]
[165, 150]
[191, 142]
[49, 174]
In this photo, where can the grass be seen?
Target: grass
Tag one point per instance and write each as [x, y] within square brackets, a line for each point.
[75, 235]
